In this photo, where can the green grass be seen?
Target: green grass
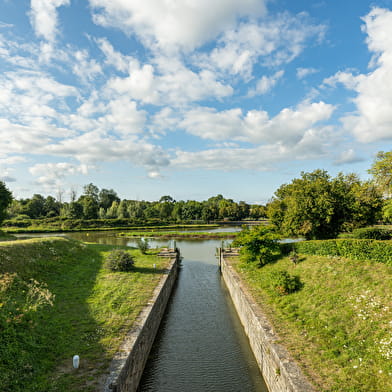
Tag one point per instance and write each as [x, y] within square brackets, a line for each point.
[179, 234]
[58, 299]
[338, 326]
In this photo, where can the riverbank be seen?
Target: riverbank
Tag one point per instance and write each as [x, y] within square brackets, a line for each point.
[337, 327]
[179, 235]
[40, 226]
[58, 290]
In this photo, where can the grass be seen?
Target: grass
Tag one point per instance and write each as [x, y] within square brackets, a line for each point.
[338, 326]
[178, 234]
[39, 226]
[58, 299]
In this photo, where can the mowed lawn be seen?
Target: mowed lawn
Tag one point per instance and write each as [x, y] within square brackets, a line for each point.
[59, 299]
[338, 326]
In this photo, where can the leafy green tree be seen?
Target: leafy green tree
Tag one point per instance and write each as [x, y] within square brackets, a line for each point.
[51, 207]
[387, 211]
[91, 191]
[106, 197]
[259, 243]
[75, 210]
[5, 200]
[35, 207]
[317, 206]
[382, 172]
[90, 206]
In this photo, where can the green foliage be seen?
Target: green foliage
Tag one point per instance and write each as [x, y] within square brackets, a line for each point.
[387, 211]
[120, 260]
[57, 290]
[317, 206]
[259, 243]
[284, 283]
[5, 200]
[338, 325]
[357, 249]
[374, 233]
[382, 171]
[142, 244]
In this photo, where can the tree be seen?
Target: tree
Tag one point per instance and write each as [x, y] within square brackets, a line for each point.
[5, 200]
[260, 243]
[317, 206]
[106, 197]
[92, 191]
[382, 172]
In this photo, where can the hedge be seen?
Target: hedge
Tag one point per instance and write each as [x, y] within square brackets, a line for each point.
[357, 249]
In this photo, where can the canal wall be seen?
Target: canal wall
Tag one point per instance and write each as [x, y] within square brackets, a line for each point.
[280, 372]
[128, 363]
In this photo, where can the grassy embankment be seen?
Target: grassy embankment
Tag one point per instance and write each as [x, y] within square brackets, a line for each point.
[69, 225]
[339, 325]
[179, 234]
[58, 299]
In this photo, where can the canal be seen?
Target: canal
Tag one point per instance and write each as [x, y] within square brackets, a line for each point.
[201, 345]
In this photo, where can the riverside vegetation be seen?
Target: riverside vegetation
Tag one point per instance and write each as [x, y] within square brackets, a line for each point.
[330, 302]
[59, 298]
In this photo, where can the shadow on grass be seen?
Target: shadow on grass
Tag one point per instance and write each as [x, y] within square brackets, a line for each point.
[37, 348]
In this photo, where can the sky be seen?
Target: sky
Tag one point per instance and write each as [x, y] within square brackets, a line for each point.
[191, 98]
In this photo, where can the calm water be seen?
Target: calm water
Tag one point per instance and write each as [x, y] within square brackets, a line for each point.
[200, 345]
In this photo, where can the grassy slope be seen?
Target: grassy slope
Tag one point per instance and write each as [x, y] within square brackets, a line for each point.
[339, 325]
[57, 299]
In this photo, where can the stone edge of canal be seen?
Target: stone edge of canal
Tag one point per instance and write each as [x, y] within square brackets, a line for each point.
[127, 366]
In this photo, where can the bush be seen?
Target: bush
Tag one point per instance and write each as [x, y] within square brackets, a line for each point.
[284, 283]
[357, 249]
[374, 233]
[120, 260]
[142, 244]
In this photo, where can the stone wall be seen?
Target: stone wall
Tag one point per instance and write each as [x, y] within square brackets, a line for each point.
[280, 372]
[128, 363]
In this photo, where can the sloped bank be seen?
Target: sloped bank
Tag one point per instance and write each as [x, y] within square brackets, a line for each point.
[128, 363]
[280, 372]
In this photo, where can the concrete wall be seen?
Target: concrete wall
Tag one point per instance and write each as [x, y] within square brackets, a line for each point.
[128, 364]
[280, 372]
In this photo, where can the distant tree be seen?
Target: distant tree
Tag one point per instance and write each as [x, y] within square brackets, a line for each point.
[90, 206]
[35, 207]
[91, 191]
[75, 210]
[166, 199]
[51, 207]
[106, 197]
[381, 171]
[5, 200]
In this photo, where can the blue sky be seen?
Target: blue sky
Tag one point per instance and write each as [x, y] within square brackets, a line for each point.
[191, 98]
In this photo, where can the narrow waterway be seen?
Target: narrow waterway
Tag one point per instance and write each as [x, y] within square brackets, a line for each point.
[201, 345]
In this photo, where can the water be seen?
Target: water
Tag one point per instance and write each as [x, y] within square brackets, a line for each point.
[201, 345]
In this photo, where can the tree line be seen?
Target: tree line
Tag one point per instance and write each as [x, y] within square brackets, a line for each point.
[97, 203]
[315, 205]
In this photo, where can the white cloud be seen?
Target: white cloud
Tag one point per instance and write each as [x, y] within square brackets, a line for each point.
[348, 156]
[372, 120]
[287, 127]
[174, 24]
[43, 17]
[266, 83]
[114, 58]
[270, 41]
[169, 83]
[51, 175]
[304, 72]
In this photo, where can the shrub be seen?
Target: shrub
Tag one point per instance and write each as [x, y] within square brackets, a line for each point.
[142, 244]
[357, 249]
[284, 283]
[120, 260]
[374, 233]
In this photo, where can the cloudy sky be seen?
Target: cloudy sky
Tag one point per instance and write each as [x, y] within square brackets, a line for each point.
[191, 98]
